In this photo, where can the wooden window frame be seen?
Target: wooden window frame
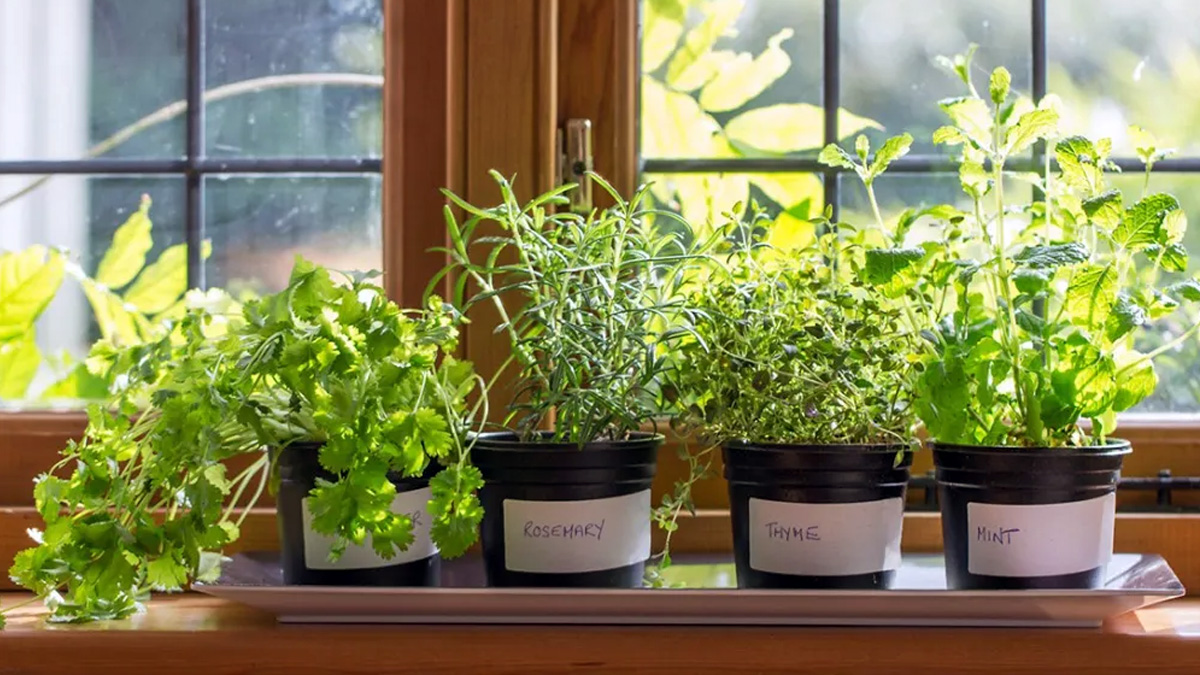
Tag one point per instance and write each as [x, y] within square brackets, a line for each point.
[485, 85]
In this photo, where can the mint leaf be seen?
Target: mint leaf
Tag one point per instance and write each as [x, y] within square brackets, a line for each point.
[1104, 209]
[1143, 222]
[1136, 379]
[1085, 377]
[834, 155]
[892, 149]
[971, 116]
[1173, 259]
[1125, 316]
[1032, 281]
[1034, 125]
[999, 85]
[1187, 290]
[883, 264]
[1091, 294]
[1053, 255]
[949, 136]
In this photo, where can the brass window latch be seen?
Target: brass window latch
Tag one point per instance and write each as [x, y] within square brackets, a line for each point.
[575, 160]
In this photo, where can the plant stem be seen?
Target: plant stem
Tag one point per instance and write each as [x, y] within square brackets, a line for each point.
[1178, 340]
[225, 91]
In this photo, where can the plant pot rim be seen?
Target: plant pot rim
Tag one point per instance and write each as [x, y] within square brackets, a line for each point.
[1111, 446]
[864, 448]
[510, 441]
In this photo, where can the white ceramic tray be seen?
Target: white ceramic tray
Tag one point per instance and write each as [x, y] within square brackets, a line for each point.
[919, 598]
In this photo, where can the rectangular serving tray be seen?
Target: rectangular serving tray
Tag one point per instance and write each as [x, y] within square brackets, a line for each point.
[710, 597]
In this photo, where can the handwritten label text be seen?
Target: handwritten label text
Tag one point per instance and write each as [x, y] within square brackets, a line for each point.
[995, 535]
[564, 530]
[776, 530]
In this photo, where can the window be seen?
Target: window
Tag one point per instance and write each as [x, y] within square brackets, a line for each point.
[738, 96]
[254, 127]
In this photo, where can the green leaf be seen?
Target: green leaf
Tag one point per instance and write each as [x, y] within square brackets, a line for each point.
[707, 68]
[790, 127]
[661, 30]
[1054, 255]
[455, 509]
[949, 136]
[1091, 294]
[999, 85]
[1086, 377]
[166, 574]
[1149, 148]
[29, 279]
[1174, 226]
[718, 19]
[883, 264]
[1142, 224]
[78, 384]
[834, 155]
[975, 181]
[959, 64]
[971, 116]
[19, 361]
[789, 190]
[862, 147]
[1174, 258]
[788, 233]
[1032, 281]
[740, 81]
[1079, 161]
[673, 125]
[116, 321]
[1105, 209]
[1125, 316]
[1033, 126]
[1187, 290]
[162, 283]
[892, 149]
[1136, 379]
[127, 254]
[432, 431]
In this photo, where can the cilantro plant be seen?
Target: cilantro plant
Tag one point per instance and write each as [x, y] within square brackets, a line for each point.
[590, 304]
[148, 501]
[1033, 329]
[797, 347]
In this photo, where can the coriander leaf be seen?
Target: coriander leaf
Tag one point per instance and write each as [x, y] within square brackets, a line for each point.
[166, 574]
[431, 430]
[1143, 222]
[1054, 255]
[1091, 294]
[455, 508]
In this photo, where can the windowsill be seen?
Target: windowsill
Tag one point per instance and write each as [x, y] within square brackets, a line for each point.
[193, 633]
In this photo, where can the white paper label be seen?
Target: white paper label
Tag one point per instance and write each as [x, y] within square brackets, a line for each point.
[576, 536]
[1037, 540]
[414, 503]
[825, 539]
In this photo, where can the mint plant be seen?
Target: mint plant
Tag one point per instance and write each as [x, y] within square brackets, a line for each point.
[1030, 310]
[148, 502]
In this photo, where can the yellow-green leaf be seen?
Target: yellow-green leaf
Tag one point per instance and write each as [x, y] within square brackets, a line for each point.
[29, 280]
[126, 255]
[673, 125]
[78, 384]
[661, 30]
[790, 127]
[703, 198]
[790, 189]
[719, 18]
[972, 117]
[162, 283]
[789, 233]
[19, 361]
[740, 81]
[707, 67]
[116, 321]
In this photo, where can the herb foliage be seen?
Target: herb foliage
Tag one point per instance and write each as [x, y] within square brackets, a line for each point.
[148, 503]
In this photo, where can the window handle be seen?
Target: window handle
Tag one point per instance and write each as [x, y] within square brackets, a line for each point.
[575, 160]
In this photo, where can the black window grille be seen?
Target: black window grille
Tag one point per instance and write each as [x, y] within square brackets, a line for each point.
[194, 165]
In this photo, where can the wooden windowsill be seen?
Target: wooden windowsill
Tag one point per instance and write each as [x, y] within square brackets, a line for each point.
[193, 633]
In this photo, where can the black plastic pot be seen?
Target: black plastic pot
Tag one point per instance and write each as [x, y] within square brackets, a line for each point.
[1036, 548]
[298, 470]
[809, 476]
[549, 517]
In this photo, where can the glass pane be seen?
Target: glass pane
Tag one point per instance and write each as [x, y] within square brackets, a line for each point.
[258, 225]
[728, 79]
[703, 198]
[75, 72]
[288, 78]
[1117, 63]
[79, 214]
[888, 50]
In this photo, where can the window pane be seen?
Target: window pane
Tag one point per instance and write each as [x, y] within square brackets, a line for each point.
[258, 225]
[888, 51]
[752, 88]
[1117, 63]
[294, 78]
[79, 214]
[702, 198]
[75, 72]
